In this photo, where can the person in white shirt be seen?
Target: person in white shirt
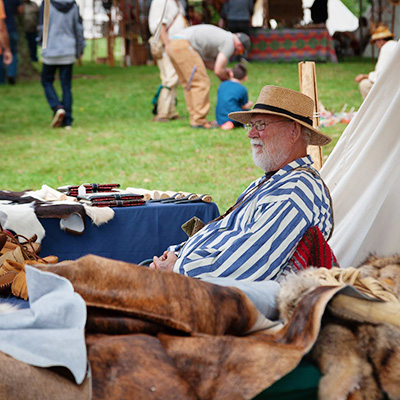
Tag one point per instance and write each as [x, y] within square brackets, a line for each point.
[174, 21]
[383, 39]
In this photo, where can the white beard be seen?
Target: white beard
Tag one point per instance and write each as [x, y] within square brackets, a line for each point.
[268, 160]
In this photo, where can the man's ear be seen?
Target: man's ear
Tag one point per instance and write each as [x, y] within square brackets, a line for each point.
[295, 133]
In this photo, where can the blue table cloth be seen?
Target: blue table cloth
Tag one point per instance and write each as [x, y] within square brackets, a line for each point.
[133, 235]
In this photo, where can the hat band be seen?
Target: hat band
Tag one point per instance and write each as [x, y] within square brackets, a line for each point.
[283, 111]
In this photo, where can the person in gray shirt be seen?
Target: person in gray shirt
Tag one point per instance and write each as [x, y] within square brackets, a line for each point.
[65, 45]
[192, 51]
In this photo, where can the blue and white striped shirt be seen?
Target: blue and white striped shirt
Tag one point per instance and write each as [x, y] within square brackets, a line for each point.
[256, 240]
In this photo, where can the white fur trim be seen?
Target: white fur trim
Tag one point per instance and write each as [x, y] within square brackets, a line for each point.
[21, 219]
[6, 308]
[47, 193]
[99, 215]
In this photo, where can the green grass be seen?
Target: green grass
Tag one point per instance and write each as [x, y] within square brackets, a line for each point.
[113, 139]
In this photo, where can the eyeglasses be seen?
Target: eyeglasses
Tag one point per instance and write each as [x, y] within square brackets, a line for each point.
[261, 125]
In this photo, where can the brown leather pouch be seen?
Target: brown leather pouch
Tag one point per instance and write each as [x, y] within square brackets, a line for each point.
[193, 226]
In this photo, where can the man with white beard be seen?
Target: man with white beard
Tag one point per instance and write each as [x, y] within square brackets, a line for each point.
[255, 238]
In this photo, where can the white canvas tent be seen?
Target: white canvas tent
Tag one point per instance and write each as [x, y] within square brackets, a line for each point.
[340, 18]
[363, 175]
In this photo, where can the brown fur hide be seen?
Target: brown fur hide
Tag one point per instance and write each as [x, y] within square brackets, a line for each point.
[164, 298]
[20, 381]
[359, 360]
[193, 344]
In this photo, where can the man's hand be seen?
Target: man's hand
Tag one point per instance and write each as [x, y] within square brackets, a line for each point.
[7, 57]
[164, 263]
[248, 105]
[360, 77]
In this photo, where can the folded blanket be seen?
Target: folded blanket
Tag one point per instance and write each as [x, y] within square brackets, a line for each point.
[50, 332]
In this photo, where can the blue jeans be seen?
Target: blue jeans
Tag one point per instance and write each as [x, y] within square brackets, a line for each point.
[32, 45]
[13, 67]
[48, 75]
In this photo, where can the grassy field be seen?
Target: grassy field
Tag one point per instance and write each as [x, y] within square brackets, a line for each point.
[114, 140]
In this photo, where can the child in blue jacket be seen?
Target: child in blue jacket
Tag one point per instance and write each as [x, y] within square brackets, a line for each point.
[232, 96]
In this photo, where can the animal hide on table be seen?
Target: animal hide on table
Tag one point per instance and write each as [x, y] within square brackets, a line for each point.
[160, 335]
[20, 207]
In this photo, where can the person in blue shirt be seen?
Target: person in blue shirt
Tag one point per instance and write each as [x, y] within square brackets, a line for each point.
[232, 96]
[65, 45]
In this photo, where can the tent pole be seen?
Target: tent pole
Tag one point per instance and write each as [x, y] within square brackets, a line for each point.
[359, 21]
[373, 22]
[266, 14]
[308, 86]
[393, 17]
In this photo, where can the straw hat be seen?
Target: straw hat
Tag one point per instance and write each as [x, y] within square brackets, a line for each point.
[275, 100]
[381, 32]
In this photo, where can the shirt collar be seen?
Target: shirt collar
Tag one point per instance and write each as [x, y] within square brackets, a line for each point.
[300, 162]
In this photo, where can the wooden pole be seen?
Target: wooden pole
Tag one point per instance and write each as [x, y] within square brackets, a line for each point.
[110, 42]
[123, 32]
[373, 24]
[266, 14]
[359, 23]
[46, 14]
[308, 86]
[393, 17]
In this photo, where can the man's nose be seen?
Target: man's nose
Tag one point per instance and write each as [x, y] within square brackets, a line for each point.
[253, 133]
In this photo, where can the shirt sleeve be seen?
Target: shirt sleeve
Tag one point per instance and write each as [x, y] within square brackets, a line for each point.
[384, 58]
[155, 13]
[244, 97]
[80, 40]
[228, 47]
[256, 252]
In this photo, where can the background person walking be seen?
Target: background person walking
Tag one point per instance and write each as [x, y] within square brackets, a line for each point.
[31, 20]
[64, 45]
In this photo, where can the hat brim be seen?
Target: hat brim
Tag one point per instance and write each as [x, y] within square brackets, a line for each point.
[317, 138]
[377, 37]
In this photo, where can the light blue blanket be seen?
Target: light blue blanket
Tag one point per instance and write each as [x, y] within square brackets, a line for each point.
[50, 332]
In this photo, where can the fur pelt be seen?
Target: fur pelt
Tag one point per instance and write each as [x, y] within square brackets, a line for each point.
[22, 219]
[358, 360]
[65, 210]
[385, 270]
[21, 381]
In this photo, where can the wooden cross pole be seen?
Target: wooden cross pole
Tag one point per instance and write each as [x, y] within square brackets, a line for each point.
[46, 13]
[308, 86]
